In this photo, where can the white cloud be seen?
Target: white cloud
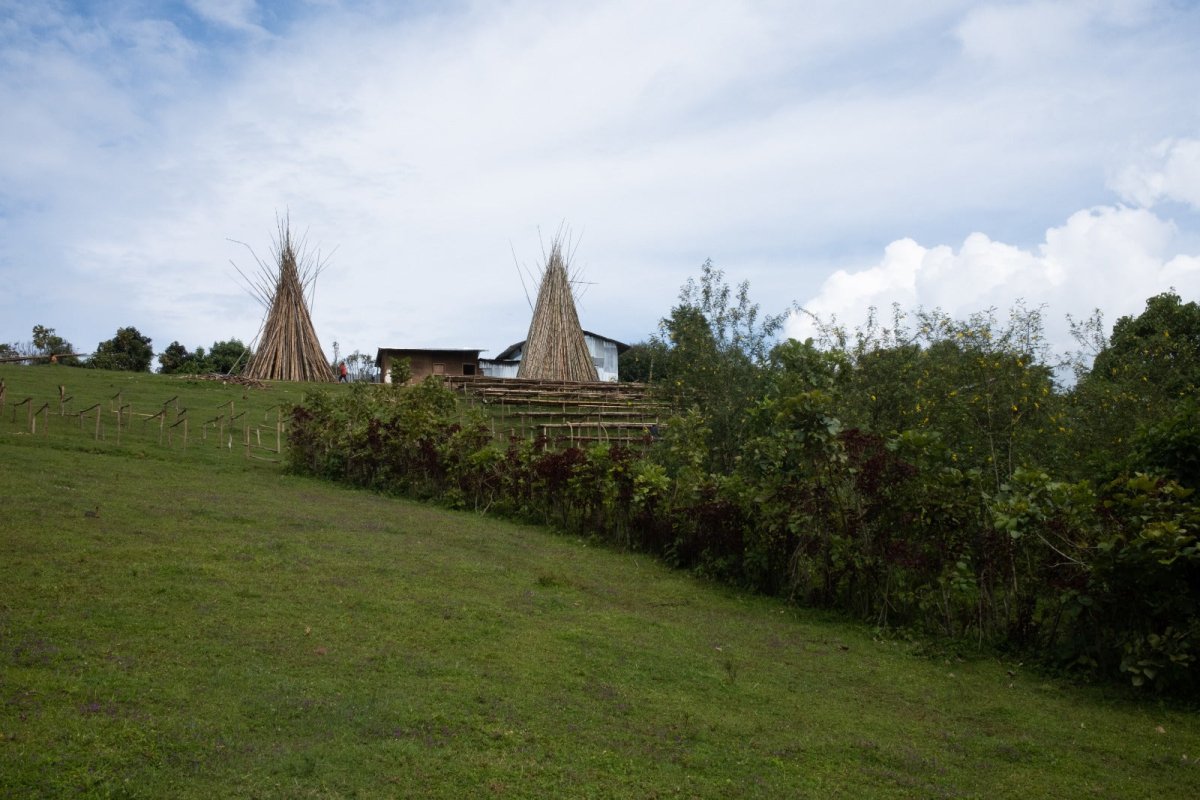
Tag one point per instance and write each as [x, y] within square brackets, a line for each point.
[1169, 171]
[1017, 33]
[239, 15]
[1030, 34]
[1111, 258]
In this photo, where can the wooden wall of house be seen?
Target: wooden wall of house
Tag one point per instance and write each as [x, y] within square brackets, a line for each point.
[432, 362]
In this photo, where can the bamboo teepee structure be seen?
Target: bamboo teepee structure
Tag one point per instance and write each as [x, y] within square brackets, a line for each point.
[555, 348]
[288, 348]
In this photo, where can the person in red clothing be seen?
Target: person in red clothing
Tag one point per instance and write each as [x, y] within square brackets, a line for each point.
[342, 372]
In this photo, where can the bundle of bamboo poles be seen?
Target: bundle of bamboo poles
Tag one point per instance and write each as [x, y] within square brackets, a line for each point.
[288, 348]
[555, 348]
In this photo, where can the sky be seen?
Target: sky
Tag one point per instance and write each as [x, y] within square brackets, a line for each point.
[837, 155]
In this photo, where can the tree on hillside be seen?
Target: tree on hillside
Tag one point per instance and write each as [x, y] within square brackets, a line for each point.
[129, 350]
[716, 343]
[174, 359]
[983, 384]
[1134, 409]
[642, 362]
[226, 357]
[1159, 348]
[48, 343]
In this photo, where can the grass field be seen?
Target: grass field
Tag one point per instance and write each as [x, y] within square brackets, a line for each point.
[193, 623]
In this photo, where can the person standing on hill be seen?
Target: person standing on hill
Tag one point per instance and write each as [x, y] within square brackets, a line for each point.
[342, 372]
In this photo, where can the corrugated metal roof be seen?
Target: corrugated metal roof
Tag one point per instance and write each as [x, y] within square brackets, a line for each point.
[507, 353]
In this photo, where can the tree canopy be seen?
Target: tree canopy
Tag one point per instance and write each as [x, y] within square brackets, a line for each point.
[48, 343]
[226, 357]
[129, 350]
[1159, 348]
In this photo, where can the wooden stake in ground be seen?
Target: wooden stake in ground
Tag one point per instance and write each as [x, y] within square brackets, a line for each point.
[98, 411]
[45, 412]
[555, 348]
[288, 348]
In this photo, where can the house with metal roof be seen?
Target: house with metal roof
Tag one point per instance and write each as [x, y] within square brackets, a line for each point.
[605, 353]
[425, 361]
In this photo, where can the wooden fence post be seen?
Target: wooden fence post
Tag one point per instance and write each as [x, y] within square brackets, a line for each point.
[180, 419]
[232, 419]
[86, 411]
[120, 411]
[45, 418]
[160, 416]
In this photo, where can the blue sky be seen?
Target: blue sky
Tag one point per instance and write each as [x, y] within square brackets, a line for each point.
[837, 155]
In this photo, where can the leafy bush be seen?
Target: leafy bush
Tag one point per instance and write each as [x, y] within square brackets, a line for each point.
[1145, 581]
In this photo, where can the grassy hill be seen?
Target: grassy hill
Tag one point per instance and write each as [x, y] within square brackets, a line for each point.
[195, 623]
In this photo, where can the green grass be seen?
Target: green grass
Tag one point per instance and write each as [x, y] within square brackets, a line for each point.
[221, 629]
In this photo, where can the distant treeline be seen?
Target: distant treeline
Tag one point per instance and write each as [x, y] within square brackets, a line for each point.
[129, 350]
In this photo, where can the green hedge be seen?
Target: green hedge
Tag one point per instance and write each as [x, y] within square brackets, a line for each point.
[1100, 579]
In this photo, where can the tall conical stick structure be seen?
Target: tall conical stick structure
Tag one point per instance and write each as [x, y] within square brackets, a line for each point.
[288, 348]
[555, 348]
